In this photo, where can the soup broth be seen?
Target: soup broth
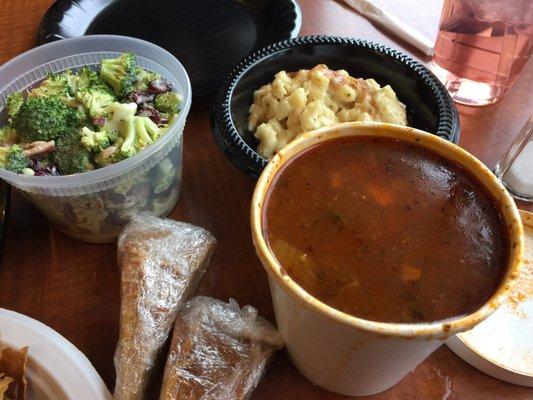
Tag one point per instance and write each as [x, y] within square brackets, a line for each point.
[386, 230]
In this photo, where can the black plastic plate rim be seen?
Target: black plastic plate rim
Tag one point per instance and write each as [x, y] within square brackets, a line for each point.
[48, 30]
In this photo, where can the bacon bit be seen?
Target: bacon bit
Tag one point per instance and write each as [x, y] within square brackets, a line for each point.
[160, 85]
[153, 114]
[142, 97]
[99, 121]
[38, 149]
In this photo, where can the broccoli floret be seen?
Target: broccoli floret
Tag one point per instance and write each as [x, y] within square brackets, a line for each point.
[89, 79]
[72, 80]
[16, 160]
[128, 132]
[95, 100]
[163, 204]
[8, 136]
[168, 102]
[62, 86]
[13, 103]
[140, 133]
[44, 118]
[94, 141]
[4, 152]
[147, 130]
[120, 73]
[144, 78]
[71, 157]
[119, 117]
[93, 93]
[128, 147]
[165, 175]
[54, 85]
[13, 159]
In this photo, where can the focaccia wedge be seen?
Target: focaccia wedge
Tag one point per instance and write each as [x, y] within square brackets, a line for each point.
[218, 352]
[162, 262]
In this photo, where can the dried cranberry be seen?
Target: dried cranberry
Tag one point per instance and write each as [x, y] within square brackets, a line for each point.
[34, 164]
[153, 114]
[42, 170]
[142, 97]
[50, 170]
[160, 85]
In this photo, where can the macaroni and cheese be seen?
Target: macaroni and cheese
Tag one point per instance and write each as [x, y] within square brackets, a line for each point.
[297, 102]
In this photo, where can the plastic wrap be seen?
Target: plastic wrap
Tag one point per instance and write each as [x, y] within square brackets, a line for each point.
[162, 262]
[218, 351]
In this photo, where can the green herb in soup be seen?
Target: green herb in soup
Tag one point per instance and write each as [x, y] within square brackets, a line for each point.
[386, 230]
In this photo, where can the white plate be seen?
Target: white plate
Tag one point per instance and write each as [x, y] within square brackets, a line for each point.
[56, 369]
[502, 345]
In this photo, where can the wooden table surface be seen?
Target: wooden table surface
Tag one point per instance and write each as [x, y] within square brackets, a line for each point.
[74, 287]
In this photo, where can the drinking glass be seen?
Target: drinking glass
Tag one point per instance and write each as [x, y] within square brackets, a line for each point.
[515, 169]
[481, 47]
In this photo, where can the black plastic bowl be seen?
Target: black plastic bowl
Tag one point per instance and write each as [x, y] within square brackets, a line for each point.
[429, 106]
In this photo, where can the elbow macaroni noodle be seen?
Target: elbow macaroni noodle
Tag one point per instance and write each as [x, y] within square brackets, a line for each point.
[297, 102]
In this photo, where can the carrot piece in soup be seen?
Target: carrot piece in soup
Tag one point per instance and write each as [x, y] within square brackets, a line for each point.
[381, 195]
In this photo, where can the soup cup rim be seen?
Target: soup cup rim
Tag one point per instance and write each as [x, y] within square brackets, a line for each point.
[430, 330]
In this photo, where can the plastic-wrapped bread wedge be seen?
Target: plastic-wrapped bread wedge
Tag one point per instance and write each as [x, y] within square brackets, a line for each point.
[218, 352]
[162, 262]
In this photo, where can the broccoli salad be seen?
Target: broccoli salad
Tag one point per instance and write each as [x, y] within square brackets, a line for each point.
[74, 122]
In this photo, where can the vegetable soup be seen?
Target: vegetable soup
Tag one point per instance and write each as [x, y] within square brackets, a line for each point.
[386, 230]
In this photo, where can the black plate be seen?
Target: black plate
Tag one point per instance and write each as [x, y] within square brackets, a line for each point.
[207, 36]
[429, 106]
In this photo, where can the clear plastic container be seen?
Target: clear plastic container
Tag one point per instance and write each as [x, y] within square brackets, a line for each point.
[94, 206]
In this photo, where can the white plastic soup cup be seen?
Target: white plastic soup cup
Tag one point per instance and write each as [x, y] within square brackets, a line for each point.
[350, 355]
